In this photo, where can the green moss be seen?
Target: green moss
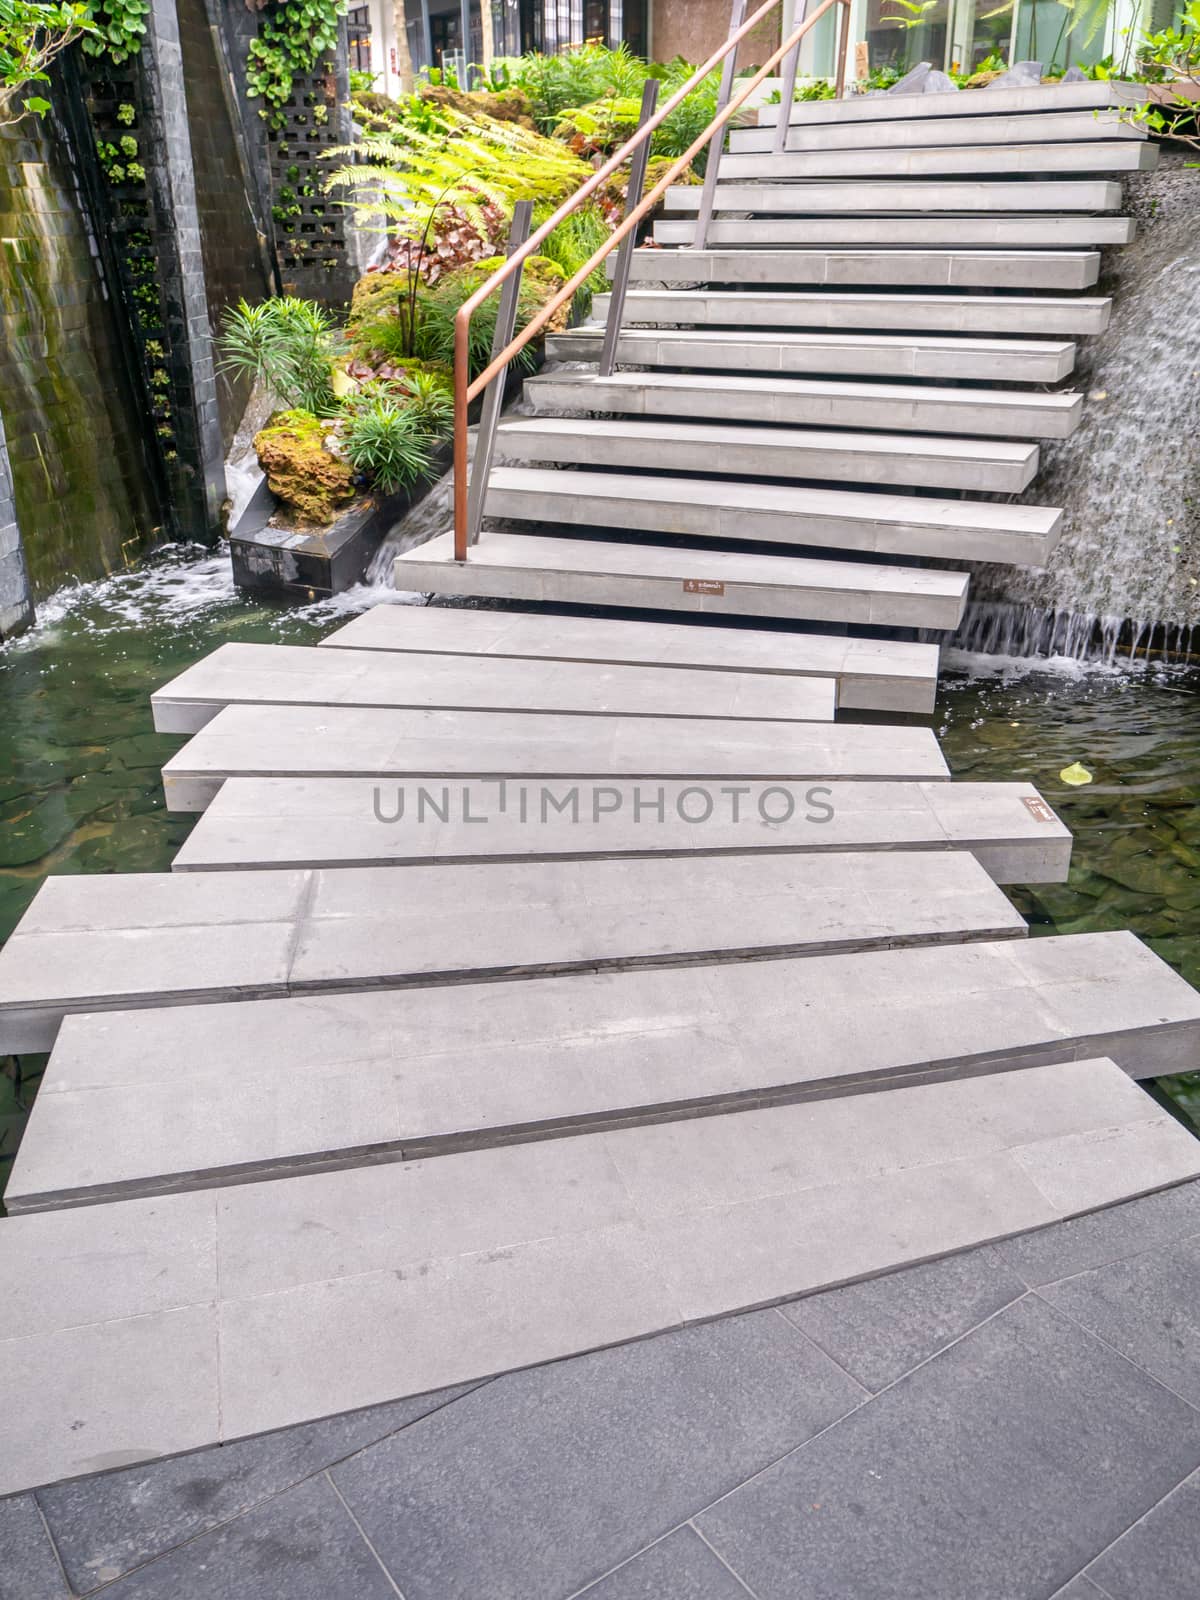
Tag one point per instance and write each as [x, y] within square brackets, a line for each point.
[312, 483]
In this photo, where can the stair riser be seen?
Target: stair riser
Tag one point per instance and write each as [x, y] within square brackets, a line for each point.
[1114, 155]
[1051, 233]
[871, 199]
[906, 413]
[1050, 365]
[1080, 126]
[644, 593]
[869, 269]
[1013, 104]
[912, 313]
[729, 523]
[820, 464]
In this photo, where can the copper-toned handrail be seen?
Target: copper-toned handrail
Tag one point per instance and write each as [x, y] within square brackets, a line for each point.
[466, 389]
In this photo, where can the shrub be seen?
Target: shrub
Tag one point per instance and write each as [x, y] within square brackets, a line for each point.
[387, 442]
[288, 344]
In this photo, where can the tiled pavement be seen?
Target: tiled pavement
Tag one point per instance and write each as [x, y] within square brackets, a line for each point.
[1020, 1422]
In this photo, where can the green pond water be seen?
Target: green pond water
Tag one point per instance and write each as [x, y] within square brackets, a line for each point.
[80, 790]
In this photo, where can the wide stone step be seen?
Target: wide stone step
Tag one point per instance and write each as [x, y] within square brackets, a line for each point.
[138, 940]
[947, 267]
[128, 1341]
[331, 822]
[885, 161]
[871, 674]
[1013, 104]
[838, 519]
[402, 746]
[278, 674]
[963, 128]
[877, 198]
[352, 1077]
[647, 577]
[951, 313]
[813, 402]
[877, 355]
[986, 466]
[769, 232]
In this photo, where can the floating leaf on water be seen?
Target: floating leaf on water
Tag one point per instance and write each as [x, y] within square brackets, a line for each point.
[1075, 774]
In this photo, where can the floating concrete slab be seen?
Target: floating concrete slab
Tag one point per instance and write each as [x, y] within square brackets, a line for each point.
[151, 939]
[886, 161]
[948, 266]
[277, 674]
[892, 197]
[964, 313]
[302, 741]
[123, 1342]
[965, 129]
[564, 571]
[351, 1078]
[984, 232]
[287, 822]
[867, 523]
[871, 674]
[1013, 104]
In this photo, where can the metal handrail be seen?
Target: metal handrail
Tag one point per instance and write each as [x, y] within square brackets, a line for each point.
[468, 507]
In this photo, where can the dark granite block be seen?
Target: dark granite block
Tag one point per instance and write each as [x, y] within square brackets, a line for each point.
[997, 1470]
[299, 1546]
[545, 1479]
[29, 1569]
[1104, 1236]
[1148, 1308]
[1159, 1558]
[679, 1567]
[880, 1329]
[114, 1522]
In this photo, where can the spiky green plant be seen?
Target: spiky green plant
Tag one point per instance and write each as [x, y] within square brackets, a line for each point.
[387, 441]
[288, 344]
[430, 401]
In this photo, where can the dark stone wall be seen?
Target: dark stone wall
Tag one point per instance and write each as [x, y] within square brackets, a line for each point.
[83, 487]
[16, 605]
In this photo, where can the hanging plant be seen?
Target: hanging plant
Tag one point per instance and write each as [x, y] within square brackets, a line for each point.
[292, 37]
[31, 35]
[118, 28]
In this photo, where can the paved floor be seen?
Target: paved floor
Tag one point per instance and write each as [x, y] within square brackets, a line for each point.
[1019, 1422]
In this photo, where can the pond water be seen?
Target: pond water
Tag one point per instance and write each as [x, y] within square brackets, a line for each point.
[80, 790]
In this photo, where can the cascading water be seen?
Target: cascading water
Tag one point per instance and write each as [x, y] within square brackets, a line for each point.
[1125, 577]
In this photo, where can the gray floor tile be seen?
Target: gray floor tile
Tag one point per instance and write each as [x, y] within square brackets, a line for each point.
[544, 1480]
[880, 1329]
[1080, 1589]
[1159, 1558]
[998, 1469]
[107, 1525]
[680, 1567]
[1104, 1236]
[29, 1569]
[300, 1546]
[1148, 1308]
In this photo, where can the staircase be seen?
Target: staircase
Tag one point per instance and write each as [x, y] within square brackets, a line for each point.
[825, 412]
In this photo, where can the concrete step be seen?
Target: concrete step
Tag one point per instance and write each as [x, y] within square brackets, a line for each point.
[646, 577]
[128, 1341]
[876, 355]
[813, 402]
[1012, 104]
[984, 465]
[135, 1103]
[883, 197]
[945, 267]
[399, 747]
[950, 313]
[836, 519]
[331, 822]
[899, 232]
[1040, 129]
[885, 161]
[278, 674]
[142, 940]
[871, 674]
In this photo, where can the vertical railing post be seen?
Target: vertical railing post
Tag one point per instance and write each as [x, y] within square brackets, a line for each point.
[791, 62]
[709, 193]
[633, 198]
[506, 322]
[843, 50]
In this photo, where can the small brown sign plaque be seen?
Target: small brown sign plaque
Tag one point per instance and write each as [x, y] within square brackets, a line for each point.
[1037, 808]
[702, 586]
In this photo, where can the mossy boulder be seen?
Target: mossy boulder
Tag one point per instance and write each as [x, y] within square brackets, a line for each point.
[513, 105]
[312, 482]
[540, 280]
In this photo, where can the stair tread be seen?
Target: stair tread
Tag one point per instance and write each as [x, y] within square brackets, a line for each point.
[931, 132]
[1100, 155]
[862, 264]
[771, 339]
[903, 230]
[855, 195]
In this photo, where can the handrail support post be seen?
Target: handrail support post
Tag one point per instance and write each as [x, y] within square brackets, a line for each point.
[787, 91]
[716, 144]
[506, 322]
[633, 199]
